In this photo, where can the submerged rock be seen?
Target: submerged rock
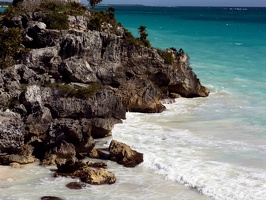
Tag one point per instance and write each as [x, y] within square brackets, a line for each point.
[50, 198]
[74, 168]
[96, 176]
[76, 185]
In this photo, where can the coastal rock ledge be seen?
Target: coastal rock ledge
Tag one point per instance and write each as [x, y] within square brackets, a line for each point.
[65, 83]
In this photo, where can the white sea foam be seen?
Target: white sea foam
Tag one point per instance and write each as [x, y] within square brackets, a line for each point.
[184, 149]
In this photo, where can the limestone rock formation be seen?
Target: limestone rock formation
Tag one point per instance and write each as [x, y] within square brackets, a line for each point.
[60, 88]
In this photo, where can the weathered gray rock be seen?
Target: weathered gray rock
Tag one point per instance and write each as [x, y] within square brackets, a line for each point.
[78, 70]
[103, 104]
[12, 132]
[78, 22]
[102, 127]
[39, 121]
[76, 132]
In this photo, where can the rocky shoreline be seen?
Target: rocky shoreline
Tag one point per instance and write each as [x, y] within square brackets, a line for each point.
[71, 86]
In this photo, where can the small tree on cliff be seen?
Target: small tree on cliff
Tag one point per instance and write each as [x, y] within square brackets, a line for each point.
[142, 32]
[143, 36]
[93, 3]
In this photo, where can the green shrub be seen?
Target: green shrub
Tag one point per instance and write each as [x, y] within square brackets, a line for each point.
[67, 90]
[10, 47]
[11, 11]
[86, 92]
[167, 56]
[13, 102]
[76, 9]
[57, 20]
[68, 8]
[136, 41]
[100, 18]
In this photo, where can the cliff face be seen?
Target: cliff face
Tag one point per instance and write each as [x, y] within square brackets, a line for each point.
[75, 85]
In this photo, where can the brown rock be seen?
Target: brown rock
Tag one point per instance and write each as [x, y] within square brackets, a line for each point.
[74, 168]
[76, 185]
[175, 95]
[98, 177]
[124, 155]
[96, 153]
[70, 166]
[21, 159]
[15, 165]
[97, 164]
[50, 198]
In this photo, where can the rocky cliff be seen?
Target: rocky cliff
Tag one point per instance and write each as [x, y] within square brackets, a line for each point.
[72, 85]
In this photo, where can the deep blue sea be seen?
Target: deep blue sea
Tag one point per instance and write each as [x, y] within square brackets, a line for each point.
[201, 148]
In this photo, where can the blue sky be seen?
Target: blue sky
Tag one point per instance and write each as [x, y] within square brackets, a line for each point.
[243, 3]
[237, 3]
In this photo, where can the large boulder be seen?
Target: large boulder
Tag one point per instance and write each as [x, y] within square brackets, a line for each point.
[12, 132]
[124, 155]
[103, 104]
[76, 132]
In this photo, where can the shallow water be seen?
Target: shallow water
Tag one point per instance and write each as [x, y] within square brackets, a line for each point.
[32, 182]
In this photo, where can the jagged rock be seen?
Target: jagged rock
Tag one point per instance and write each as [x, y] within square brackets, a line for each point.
[184, 81]
[78, 70]
[77, 132]
[70, 166]
[53, 125]
[97, 164]
[102, 127]
[65, 150]
[78, 22]
[96, 153]
[103, 104]
[59, 154]
[21, 159]
[140, 95]
[97, 177]
[12, 132]
[24, 156]
[75, 168]
[123, 154]
[39, 121]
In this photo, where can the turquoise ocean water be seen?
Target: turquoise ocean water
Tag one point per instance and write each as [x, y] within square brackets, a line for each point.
[216, 145]
[201, 148]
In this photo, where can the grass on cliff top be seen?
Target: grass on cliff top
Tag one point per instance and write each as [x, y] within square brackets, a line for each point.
[66, 90]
